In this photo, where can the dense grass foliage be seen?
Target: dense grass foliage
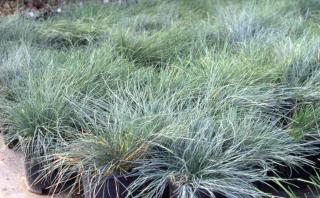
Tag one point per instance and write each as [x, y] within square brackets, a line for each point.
[202, 97]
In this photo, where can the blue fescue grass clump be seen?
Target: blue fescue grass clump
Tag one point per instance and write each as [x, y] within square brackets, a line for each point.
[72, 33]
[192, 97]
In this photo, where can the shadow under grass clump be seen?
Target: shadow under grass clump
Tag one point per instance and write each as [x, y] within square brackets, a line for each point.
[301, 73]
[292, 179]
[67, 33]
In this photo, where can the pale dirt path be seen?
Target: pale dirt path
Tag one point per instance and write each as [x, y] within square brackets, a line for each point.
[12, 176]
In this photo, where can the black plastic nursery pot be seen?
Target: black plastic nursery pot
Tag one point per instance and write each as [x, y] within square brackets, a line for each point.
[40, 185]
[33, 173]
[171, 189]
[115, 186]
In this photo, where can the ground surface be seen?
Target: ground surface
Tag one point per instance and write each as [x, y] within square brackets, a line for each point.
[12, 177]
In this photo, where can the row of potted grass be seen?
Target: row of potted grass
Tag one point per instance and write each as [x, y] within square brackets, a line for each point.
[185, 163]
[165, 139]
